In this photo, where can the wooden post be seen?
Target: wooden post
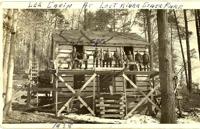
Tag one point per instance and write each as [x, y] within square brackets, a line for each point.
[125, 95]
[56, 97]
[94, 93]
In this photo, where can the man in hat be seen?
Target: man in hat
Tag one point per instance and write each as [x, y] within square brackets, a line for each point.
[116, 57]
[85, 59]
[96, 57]
[138, 59]
[146, 60]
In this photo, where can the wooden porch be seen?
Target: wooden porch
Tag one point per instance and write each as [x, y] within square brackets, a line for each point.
[97, 96]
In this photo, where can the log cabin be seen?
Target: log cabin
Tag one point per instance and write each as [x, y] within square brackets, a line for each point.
[109, 92]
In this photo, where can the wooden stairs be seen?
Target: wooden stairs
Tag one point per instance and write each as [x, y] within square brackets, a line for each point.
[111, 106]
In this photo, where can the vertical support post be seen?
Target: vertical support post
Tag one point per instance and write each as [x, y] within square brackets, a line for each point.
[56, 97]
[125, 95]
[94, 93]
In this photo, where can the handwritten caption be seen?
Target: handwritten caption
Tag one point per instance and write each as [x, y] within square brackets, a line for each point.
[106, 5]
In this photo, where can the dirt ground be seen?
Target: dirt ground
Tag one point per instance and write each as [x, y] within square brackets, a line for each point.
[20, 114]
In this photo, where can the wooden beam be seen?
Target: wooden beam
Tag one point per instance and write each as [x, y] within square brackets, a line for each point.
[88, 81]
[67, 85]
[64, 106]
[104, 71]
[56, 97]
[85, 104]
[125, 95]
[142, 101]
[94, 93]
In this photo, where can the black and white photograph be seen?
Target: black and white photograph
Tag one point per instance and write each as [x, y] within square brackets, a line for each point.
[101, 66]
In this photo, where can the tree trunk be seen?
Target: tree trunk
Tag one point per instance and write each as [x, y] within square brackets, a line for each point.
[114, 20]
[30, 58]
[8, 102]
[148, 16]
[168, 114]
[188, 52]
[197, 21]
[145, 28]
[1, 69]
[7, 49]
[182, 52]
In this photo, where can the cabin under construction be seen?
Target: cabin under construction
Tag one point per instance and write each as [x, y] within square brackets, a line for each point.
[114, 89]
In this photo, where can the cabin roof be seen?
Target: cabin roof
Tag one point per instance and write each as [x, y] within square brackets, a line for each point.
[99, 38]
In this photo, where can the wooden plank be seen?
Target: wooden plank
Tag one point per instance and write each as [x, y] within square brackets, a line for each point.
[111, 101]
[110, 105]
[87, 89]
[67, 85]
[112, 115]
[94, 93]
[119, 84]
[64, 106]
[62, 85]
[101, 71]
[119, 78]
[142, 84]
[68, 78]
[56, 97]
[113, 110]
[88, 81]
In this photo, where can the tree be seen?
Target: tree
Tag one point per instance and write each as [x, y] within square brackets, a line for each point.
[148, 17]
[8, 101]
[182, 52]
[197, 22]
[6, 47]
[188, 52]
[168, 114]
[1, 68]
[102, 19]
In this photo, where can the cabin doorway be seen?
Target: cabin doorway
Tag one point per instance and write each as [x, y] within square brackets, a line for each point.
[127, 49]
[79, 50]
[79, 80]
[105, 81]
[132, 77]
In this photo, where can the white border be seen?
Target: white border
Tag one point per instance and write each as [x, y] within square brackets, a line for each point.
[23, 4]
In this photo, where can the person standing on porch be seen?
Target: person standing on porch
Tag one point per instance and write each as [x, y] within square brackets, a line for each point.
[116, 57]
[110, 58]
[96, 57]
[138, 59]
[101, 57]
[85, 59]
[146, 60]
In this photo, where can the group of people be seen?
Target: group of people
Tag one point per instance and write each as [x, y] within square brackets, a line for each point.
[105, 58]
